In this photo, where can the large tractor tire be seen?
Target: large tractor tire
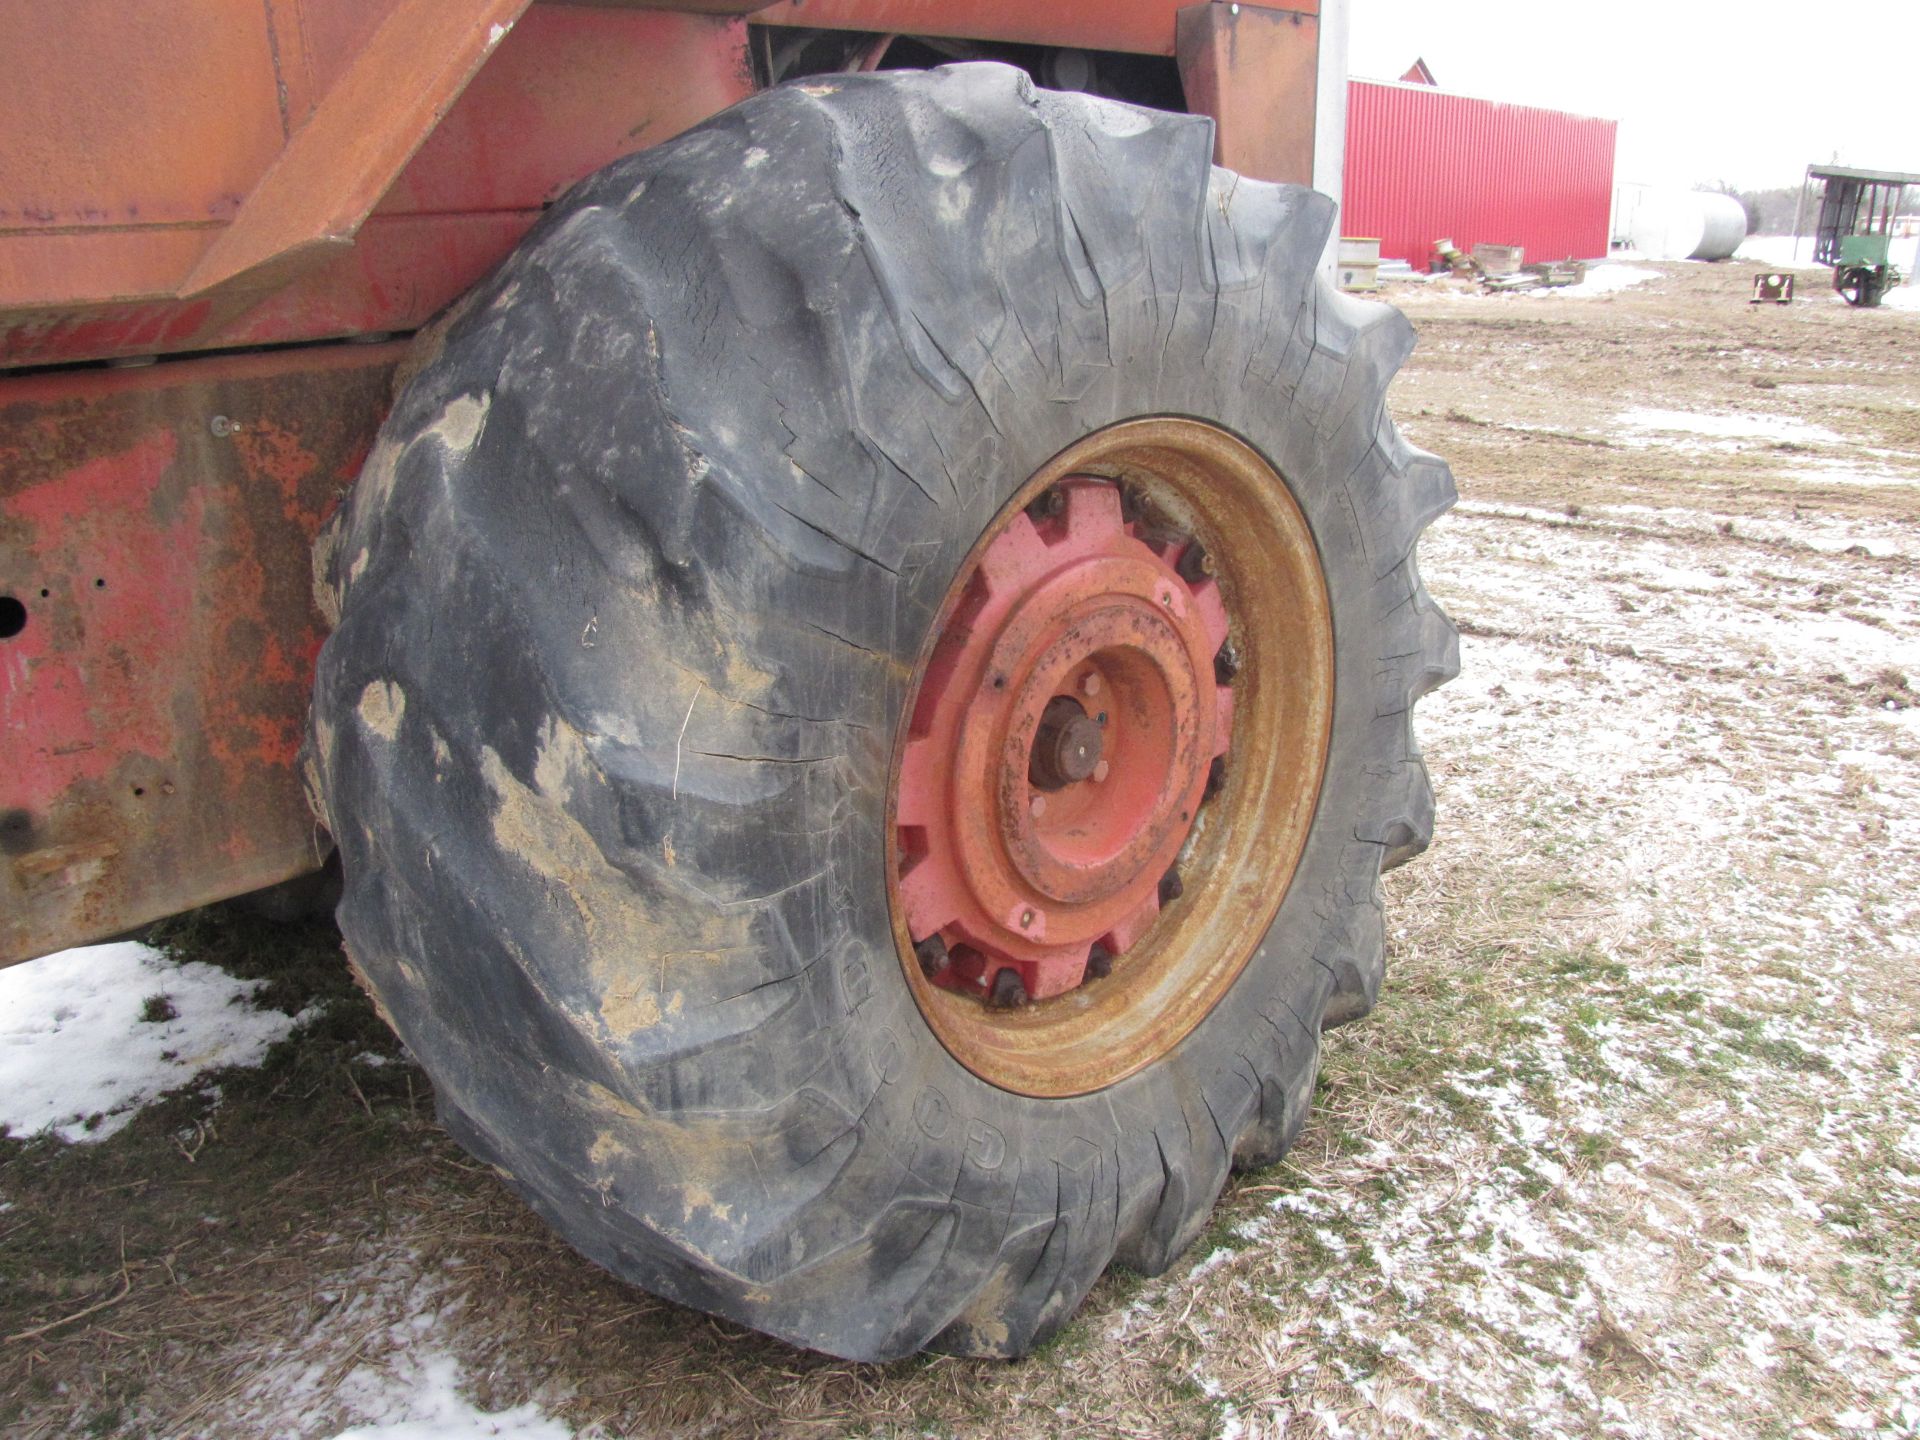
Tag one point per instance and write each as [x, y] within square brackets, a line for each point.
[871, 697]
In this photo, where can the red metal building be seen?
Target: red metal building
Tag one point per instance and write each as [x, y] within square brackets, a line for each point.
[1423, 164]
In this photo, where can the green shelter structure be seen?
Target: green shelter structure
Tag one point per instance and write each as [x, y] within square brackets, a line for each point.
[1854, 229]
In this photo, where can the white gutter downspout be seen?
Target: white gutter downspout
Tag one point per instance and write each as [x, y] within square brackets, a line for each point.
[1330, 118]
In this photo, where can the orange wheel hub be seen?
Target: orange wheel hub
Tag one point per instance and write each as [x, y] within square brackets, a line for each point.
[1066, 729]
[1112, 752]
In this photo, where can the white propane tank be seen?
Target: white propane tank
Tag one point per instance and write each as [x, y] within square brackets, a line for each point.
[1723, 226]
[1665, 224]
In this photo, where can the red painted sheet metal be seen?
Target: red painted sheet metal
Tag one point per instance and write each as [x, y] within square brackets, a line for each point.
[115, 254]
[1424, 165]
[158, 628]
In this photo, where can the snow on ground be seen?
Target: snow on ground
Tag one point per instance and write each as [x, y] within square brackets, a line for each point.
[1655, 1183]
[420, 1399]
[1781, 251]
[1606, 279]
[1787, 253]
[1755, 427]
[89, 1036]
[374, 1357]
[1755, 970]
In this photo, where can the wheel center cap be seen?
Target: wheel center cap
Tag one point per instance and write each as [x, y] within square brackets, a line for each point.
[1066, 747]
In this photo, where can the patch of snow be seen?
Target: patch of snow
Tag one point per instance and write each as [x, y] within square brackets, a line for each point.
[1842, 473]
[78, 1058]
[1783, 252]
[418, 1398]
[1606, 280]
[378, 1359]
[1902, 297]
[1757, 427]
[1220, 1256]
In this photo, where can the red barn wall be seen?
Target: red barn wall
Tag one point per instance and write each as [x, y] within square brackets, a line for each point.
[1423, 165]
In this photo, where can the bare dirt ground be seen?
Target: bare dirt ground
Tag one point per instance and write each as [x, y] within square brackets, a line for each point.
[1630, 1148]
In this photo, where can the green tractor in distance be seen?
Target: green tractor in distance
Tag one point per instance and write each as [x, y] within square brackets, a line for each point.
[1855, 230]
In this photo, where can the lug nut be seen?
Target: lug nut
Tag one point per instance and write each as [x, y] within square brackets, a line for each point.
[1090, 686]
[1038, 807]
[1170, 887]
[1008, 992]
[1195, 564]
[1101, 771]
[1046, 505]
[932, 955]
[1099, 963]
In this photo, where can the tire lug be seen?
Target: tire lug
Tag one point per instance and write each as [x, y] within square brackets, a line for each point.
[1009, 993]
[1170, 887]
[1099, 964]
[933, 957]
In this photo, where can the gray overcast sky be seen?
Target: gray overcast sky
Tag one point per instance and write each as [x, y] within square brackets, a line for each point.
[1748, 93]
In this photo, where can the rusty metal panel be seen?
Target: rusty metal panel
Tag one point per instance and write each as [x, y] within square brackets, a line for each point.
[124, 112]
[313, 43]
[1143, 27]
[1256, 72]
[334, 169]
[568, 89]
[401, 271]
[573, 87]
[158, 630]
[1423, 165]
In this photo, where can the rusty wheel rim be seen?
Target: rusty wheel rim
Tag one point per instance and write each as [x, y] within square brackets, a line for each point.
[1108, 774]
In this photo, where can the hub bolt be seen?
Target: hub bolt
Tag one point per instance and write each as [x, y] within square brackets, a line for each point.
[932, 955]
[1101, 771]
[1008, 992]
[1195, 564]
[1099, 963]
[1090, 686]
[1046, 505]
[1170, 887]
